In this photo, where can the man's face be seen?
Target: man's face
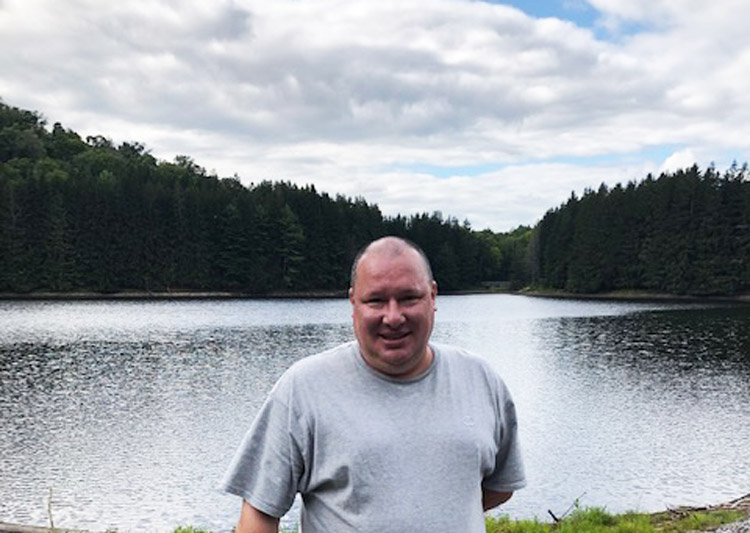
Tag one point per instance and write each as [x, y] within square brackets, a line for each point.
[393, 307]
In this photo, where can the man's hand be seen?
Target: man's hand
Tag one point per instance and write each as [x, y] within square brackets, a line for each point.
[255, 521]
[491, 499]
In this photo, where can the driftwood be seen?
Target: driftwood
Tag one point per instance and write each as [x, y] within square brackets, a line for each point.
[741, 504]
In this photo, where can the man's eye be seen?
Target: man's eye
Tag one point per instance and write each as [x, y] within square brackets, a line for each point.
[375, 302]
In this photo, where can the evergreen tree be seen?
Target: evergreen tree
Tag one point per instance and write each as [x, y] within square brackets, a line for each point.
[89, 215]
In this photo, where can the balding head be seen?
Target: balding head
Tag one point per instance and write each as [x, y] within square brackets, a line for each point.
[393, 307]
[390, 246]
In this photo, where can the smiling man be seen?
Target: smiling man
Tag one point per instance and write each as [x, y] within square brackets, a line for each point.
[393, 301]
[389, 433]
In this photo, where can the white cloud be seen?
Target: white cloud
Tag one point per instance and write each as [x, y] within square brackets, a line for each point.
[680, 159]
[341, 92]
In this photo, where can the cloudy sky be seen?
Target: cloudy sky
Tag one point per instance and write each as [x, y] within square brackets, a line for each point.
[488, 111]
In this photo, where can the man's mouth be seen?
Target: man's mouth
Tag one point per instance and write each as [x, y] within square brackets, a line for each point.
[394, 336]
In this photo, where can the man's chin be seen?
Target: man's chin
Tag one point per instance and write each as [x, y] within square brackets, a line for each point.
[398, 356]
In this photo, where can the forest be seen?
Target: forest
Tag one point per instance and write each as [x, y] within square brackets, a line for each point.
[686, 232]
[84, 215]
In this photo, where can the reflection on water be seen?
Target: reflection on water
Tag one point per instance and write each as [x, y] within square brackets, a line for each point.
[654, 403]
[130, 411]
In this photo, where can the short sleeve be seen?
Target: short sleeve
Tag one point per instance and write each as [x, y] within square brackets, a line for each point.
[508, 474]
[266, 467]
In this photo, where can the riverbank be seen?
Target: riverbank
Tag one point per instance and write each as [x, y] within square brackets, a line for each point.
[668, 520]
[170, 295]
[331, 294]
[636, 296]
[17, 528]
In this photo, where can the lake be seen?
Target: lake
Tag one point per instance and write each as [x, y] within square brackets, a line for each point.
[128, 412]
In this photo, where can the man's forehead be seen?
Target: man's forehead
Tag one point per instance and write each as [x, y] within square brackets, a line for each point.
[388, 254]
[391, 257]
[400, 273]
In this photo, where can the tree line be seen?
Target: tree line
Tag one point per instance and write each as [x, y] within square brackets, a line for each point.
[86, 215]
[685, 232]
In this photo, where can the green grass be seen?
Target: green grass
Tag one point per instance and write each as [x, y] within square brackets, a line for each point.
[597, 520]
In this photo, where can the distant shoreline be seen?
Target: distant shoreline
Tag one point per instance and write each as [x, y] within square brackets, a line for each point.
[639, 296]
[170, 295]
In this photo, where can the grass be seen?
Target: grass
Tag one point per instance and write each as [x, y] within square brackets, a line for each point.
[598, 520]
[701, 520]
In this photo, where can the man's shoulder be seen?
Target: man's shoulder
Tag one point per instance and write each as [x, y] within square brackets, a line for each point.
[314, 372]
[462, 360]
[327, 362]
[460, 356]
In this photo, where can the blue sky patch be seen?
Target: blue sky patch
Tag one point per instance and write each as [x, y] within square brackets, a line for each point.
[656, 154]
[577, 11]
[447, 171]
[580, 12]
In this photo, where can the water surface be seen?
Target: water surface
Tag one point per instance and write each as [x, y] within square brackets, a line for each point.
[130, 411]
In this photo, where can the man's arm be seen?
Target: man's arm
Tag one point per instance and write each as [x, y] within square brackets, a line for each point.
[254, 521]
[491, 499]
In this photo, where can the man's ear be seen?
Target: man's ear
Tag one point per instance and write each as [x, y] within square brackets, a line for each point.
[351, 295]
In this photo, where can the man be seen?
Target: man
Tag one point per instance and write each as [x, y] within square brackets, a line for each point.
[390, 433]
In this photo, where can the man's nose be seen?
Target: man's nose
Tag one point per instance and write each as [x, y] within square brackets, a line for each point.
[393, 314]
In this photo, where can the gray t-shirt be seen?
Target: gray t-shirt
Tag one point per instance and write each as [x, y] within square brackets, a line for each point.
[374, 454]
